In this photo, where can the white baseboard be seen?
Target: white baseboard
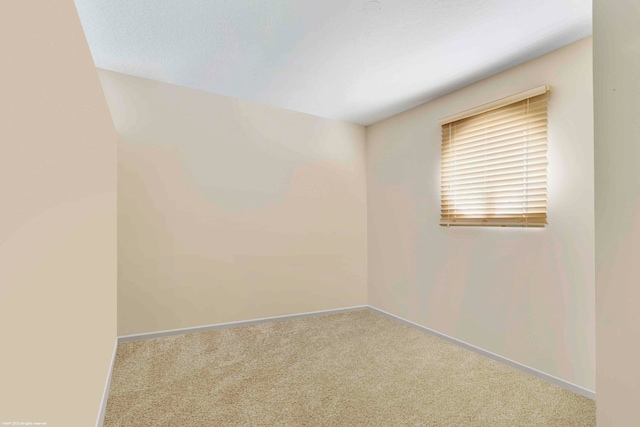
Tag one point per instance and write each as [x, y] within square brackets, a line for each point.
[105, 392]
[550, 378]
[160, 334]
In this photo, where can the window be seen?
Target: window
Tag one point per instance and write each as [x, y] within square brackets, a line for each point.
[494, 163]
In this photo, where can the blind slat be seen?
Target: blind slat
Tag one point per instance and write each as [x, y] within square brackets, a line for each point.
[497, 134]
[500, 117]
[500, 164]
[496, 185]
[492, 199]
[514, 172]
[469, 130]
[534, 141]
[498, 112]
[492, 161]
[496, 202]
[518, 216]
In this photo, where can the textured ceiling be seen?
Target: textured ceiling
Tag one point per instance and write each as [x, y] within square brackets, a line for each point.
[353, 60]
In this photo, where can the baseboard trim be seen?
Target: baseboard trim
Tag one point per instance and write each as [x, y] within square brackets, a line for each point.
[160, 334]
[524, 368]
[550, 378]
[105, 392]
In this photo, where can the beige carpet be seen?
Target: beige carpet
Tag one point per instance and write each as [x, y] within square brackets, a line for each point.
[352, 369]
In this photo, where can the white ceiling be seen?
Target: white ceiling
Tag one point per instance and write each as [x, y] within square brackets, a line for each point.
[352, 60]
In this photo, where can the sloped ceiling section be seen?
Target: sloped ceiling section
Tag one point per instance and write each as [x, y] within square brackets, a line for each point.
[355, 60]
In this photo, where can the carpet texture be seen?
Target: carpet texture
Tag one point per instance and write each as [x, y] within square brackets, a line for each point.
[351, 369]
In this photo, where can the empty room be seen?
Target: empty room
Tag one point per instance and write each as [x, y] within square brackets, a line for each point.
[297, 213]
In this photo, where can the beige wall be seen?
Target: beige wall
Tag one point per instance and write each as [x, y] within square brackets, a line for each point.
[57, 219]
[524, 294]
[616, 61]
[230, 210]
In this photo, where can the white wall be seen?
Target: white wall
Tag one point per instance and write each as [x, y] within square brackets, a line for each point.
[230, 210]
[616, 61]
[524, 294]
[57, 219]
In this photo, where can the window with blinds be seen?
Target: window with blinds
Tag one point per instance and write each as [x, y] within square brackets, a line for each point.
[494, 163]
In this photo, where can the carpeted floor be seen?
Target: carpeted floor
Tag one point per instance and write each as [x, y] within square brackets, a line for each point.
[352, 369]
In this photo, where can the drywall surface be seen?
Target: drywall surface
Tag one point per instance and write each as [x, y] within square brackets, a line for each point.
[57, 220]
[524, 294]
[616, 63]
[230, 210]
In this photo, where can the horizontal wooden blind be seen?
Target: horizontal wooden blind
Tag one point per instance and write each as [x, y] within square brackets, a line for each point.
[494, 166]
